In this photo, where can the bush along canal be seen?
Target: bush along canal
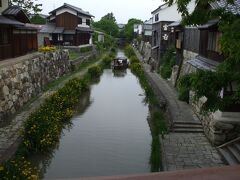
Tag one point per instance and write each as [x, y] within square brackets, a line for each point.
[98, 125]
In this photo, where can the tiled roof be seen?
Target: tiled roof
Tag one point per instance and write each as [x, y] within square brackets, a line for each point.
[175, 24]
[58, 30]
[12, 11]
[203, 63]
[48, 28]
[84, 29]
[79, 10]
[209, 24]
[147, 26]
[5, 20]
[233, 8]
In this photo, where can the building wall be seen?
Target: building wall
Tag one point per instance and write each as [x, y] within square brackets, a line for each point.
[26, 78]
[4, 6]
[67, 20]
[171, 13]
[161, 40]
[84, 21]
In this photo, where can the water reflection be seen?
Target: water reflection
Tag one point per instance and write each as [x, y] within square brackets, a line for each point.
[43, 161]
[109, 136]
[119, 73]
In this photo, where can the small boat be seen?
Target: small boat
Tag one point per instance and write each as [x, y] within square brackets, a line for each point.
[120, 63]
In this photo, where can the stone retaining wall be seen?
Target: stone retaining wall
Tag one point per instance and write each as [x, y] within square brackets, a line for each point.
[24, 79]
[219, 127]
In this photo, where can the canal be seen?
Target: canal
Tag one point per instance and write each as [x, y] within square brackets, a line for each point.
[109, 135]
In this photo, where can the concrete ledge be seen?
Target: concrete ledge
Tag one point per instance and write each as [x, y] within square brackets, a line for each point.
[220, 173]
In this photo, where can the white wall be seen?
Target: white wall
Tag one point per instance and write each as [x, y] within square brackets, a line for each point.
[171, 13]
[147, 33]
[4, 6]
[60, 11]
[140, 28]
[84, 19]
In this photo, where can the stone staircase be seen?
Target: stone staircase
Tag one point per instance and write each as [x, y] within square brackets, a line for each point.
[230, 151]
[187, 127]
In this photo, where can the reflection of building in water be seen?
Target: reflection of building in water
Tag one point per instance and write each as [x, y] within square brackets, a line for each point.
[119, 73]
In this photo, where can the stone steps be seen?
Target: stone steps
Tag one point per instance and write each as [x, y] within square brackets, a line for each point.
[231, 152]
[187, 127]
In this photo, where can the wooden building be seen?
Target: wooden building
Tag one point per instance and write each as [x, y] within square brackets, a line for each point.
[68, 25]
[17, 37]
[162, 38]
[147, 31]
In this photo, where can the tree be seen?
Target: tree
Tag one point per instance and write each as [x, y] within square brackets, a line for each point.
[29, 6]
[210, 84]
[128, 29]
[37, 19]
[107, 24]
[109, 16]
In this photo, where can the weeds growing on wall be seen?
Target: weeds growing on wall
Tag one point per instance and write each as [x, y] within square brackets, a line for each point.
[169, 60]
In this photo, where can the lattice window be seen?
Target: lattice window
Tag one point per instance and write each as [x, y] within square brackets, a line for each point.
[214, 41]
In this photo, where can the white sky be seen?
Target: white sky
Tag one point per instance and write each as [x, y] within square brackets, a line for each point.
[122, 9]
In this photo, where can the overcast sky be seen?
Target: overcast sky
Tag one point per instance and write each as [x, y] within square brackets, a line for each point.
[122, 9]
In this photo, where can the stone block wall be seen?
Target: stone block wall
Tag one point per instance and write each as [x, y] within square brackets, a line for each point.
[145, 50]
[23, 79]
[219, 127]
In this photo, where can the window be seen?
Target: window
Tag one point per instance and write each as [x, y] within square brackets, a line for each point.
[88, 22]
[213, 41]
[4, 36]
[79, 20]
[0, 3]
[155, 38]
[156, 17]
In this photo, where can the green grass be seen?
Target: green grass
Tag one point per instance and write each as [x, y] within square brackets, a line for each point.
[73, 55]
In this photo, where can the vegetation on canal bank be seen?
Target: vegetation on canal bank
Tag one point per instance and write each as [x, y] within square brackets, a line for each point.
[169, 59]
[43, 128]
[157, 120]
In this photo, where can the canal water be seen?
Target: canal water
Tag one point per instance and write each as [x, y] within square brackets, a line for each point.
[110, 134]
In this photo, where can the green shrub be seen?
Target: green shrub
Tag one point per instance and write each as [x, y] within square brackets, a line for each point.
[134, 59]
[44, 126]
[169, 60]
[183, 86]
[95, 71]
[129, 51]
[85, 49]
[19, 168]
[107, 61]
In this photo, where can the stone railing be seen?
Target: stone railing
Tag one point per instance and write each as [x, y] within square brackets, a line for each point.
[25, 77]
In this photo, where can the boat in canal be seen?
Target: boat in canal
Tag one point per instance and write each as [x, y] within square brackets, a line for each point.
[120, 63]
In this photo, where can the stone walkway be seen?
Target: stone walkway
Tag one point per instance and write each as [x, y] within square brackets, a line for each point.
[181, 150]
[187, 151]
[10, 133]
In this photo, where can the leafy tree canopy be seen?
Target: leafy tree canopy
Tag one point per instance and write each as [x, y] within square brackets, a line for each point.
[107, 24]
[128, 29]
[227, 75]
[29, 6]
[109, 16]
[37, 19]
